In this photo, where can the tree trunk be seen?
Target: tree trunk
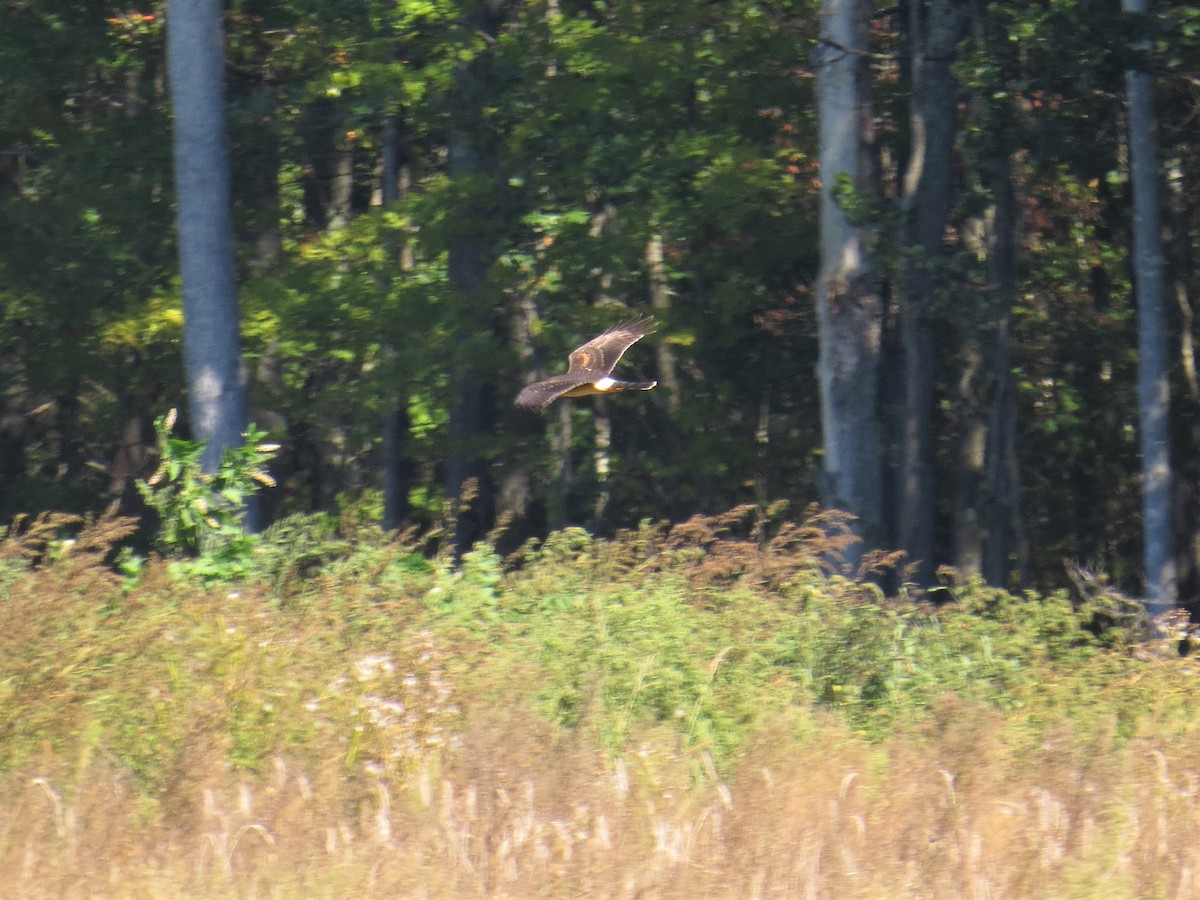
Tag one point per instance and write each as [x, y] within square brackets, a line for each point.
[396, 473]
[564, 469]
[1004, 548]
[14, 429]
[602, 458]
[1187, 420]
[660, 302]
[987, 497]
[341, 185]
[970, 430]
[261, 179]
[849, 309]
[468, 487]
[1154, 393]
[467, 484]
[927, 196]
[212, 353]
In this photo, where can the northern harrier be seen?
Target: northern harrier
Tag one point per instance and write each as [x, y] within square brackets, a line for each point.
[591, 368]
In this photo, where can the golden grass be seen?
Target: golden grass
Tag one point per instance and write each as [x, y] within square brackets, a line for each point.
[384, 737]
[515, 810]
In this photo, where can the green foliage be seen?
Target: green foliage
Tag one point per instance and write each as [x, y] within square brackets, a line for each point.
[598, 127]
[619, 637]
[295, 548]
[200, 513]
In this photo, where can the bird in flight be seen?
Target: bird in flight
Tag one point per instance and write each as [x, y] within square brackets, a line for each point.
[591, 366]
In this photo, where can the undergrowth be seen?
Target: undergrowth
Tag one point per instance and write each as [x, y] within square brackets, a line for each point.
[344, 683]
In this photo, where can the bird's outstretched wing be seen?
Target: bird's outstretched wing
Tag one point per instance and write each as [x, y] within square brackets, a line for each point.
[540, 393]
[599, 356]
[590, 367]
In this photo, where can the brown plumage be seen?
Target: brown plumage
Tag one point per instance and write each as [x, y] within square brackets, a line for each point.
[591, 368]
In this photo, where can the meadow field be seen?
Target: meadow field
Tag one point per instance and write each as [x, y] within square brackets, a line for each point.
[708, 710]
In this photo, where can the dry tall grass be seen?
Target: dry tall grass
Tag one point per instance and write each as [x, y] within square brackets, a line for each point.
[168, 742]
[516, 811]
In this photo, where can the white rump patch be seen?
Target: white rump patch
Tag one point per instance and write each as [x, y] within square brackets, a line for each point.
[603, 384]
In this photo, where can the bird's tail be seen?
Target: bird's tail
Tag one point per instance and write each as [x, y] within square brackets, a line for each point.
[632, 385]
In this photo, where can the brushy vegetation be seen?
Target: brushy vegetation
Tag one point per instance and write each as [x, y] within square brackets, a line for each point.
[709, 709]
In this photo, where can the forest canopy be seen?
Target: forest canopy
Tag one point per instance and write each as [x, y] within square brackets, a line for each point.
[435, 201]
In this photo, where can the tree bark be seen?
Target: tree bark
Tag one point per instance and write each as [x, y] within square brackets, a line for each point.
[396, 473]
[564, 469]
[927, 196]
[602, 459]
[660, 302]
[1154, 393]
[849, 308]
[987, 522]
[212, 351]
[1004, 549]
[970, 430]
[468, 487]
[1187, 420]
[341, 185]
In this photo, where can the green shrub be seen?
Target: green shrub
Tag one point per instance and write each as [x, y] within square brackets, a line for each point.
[200, 514]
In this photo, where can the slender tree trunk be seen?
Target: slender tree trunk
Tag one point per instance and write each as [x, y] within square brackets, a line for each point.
[989, 527]
[927, 195]
[261, 177]
[212, 352]
[14, 429]
[849, 309]
[1005, 547]
[468, 486]
[341, 186]
[396, 474]
[601, 451]
[564, 470]
[987, 501]
[660, 302]
[1187, 476]
[1154, 395]
[515, 484]
[971, 433]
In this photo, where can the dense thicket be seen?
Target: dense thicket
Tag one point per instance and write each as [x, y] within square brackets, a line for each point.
[435, 200]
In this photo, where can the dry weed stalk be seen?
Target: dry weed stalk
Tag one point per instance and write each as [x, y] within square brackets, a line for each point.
[80, 540]
[758, 547]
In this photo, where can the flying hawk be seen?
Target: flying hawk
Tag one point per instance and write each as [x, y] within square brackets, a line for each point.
[591, 368]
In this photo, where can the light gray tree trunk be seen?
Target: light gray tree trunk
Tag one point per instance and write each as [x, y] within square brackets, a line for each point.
[660, 302]
[211, 337]
[849, 308]
[341, 186]
[970, 432]
[602, 460]
[1154, 394]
